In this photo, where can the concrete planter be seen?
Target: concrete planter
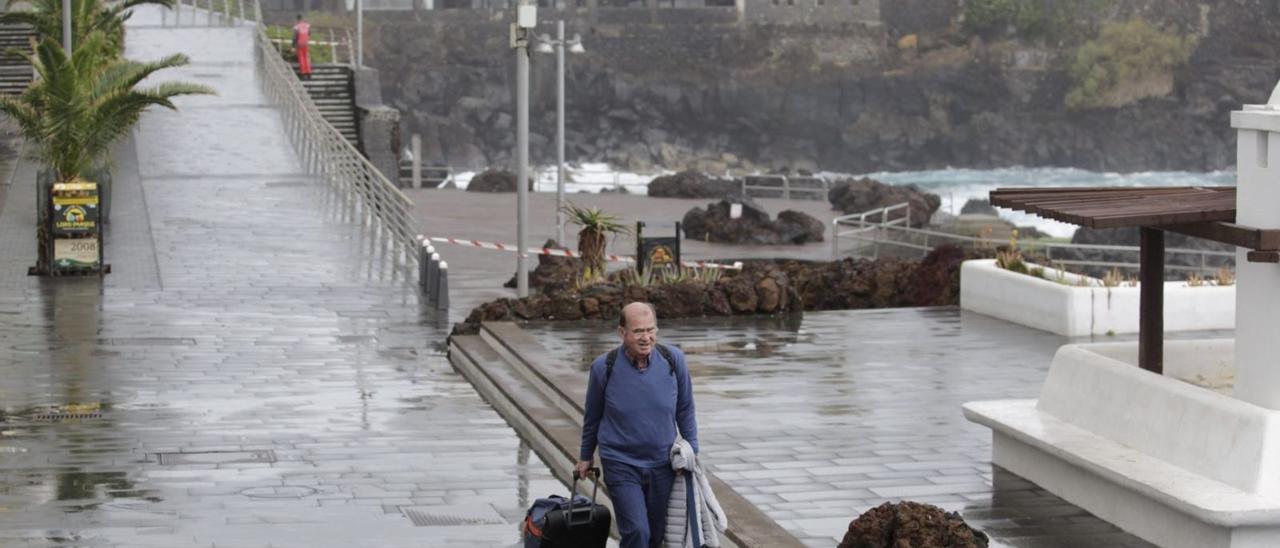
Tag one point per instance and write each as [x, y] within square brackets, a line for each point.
[1075, 311]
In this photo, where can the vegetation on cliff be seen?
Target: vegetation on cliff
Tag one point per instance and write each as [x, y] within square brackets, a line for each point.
[1128, 61]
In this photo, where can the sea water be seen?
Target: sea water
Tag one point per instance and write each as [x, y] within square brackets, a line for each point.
[954, 186]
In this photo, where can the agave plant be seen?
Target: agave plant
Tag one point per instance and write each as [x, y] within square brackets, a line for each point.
[87, 16]
[596, 226]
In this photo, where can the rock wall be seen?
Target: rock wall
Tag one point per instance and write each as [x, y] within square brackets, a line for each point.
[762, 287]
[841, 97]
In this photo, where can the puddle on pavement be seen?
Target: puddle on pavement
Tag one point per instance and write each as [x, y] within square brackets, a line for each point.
[92, 489]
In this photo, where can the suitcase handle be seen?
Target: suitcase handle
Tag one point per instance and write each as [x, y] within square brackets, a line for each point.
[585, 512]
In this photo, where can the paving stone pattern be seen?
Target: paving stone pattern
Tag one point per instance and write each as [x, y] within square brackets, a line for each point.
[264, 377]
[818, 419]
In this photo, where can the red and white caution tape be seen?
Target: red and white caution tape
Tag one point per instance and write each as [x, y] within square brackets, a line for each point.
[567, 253]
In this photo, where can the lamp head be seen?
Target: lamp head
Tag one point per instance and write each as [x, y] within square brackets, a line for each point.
[575, 45]
[543, 46]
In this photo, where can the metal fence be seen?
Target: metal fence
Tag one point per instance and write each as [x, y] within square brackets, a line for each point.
[879, 227]
[782, 186]
[874, 222]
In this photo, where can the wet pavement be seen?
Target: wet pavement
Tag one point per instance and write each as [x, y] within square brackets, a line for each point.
[255, 373]
[817, 419]
[252, 373]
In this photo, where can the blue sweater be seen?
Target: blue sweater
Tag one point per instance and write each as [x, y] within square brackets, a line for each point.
[634, 418]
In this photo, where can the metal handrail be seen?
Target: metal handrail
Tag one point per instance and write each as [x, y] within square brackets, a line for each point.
[860, 220]
[975, 241]
[323, 150]
[786, 187]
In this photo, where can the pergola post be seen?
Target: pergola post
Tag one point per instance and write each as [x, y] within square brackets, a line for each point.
[1151, 298]
[1257, 284]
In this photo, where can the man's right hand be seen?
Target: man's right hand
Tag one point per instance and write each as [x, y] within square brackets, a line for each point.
[580, 471]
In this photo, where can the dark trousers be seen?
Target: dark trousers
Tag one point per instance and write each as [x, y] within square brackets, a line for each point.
[639, 501]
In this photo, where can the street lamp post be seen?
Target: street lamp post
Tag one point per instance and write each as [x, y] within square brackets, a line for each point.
[547, 45]
[526, 19]
[359, 33]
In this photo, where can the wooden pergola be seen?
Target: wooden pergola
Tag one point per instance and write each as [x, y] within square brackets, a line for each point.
[1203, 212]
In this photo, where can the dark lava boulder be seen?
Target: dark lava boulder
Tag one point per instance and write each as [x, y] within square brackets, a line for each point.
[797, 227]
[553, 271]
[911, 524]
[936, 280]
[753, 226]
[691, 184]
[978, 206]
[494, 180]
[759, 288]
[866, 194]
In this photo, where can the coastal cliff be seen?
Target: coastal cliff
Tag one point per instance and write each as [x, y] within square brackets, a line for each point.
[921, 89]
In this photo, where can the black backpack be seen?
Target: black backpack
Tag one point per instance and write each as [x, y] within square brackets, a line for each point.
[613, 357]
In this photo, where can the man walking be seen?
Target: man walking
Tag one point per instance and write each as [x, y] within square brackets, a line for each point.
[637, 397]
[301, 44]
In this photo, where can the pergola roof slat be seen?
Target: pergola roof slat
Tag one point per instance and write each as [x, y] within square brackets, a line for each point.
[1115, 207]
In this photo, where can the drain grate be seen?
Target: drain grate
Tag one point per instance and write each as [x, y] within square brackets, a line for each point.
[148, 341]
[454, 515]
[216, 457]
[56, 417]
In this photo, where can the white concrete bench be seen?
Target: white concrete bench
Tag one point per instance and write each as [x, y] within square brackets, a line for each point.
[1175, 464]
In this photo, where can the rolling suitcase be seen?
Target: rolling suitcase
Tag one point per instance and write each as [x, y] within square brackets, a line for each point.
[575, 522]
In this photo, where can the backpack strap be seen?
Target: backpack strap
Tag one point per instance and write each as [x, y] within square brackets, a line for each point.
[612, 357]
[667, 355]
[608, 366]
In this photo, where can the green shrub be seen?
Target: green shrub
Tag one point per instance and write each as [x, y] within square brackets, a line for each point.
[1052, 21]
[986, 17]
[1127, 61]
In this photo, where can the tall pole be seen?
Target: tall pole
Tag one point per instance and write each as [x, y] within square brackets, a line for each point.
[359, 33]
[560, 133]
[1151, 301]
[522, 157]
[66, 26]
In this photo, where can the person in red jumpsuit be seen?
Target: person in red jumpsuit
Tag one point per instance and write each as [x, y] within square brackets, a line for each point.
[301, 43]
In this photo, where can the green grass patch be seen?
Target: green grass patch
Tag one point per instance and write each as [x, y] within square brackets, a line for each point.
[282, 37]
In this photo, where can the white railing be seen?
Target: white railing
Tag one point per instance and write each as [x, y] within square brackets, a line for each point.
[329, 155]
[812, 188]
[323, 150]
[868, 231]
[875, 222]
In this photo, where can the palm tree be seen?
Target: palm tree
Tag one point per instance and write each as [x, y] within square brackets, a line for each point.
[82, 104]
[87, 16]
[596, 225]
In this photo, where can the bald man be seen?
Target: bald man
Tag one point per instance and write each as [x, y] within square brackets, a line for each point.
[637, 396]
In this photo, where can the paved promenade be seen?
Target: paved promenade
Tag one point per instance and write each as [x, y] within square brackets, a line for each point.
[247, 375]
